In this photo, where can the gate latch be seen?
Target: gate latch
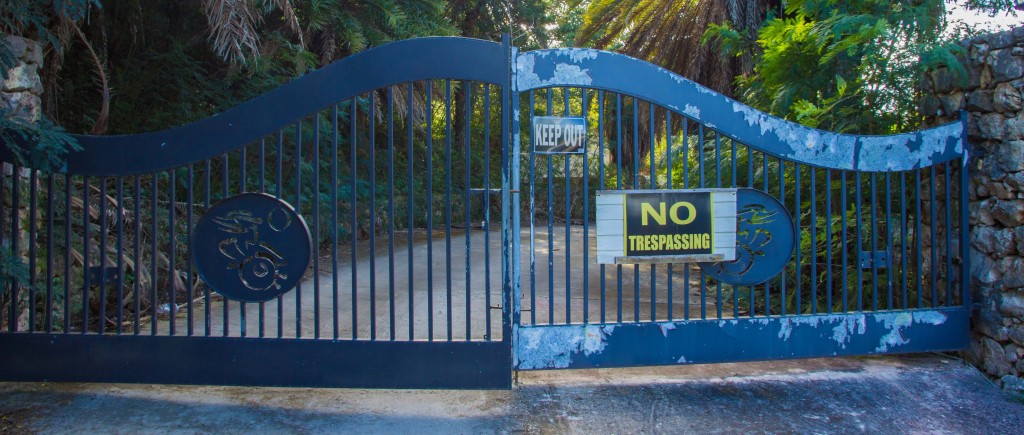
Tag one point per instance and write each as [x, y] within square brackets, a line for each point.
[874, 259]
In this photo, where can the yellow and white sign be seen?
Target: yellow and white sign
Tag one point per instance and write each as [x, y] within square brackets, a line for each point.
[666, 226]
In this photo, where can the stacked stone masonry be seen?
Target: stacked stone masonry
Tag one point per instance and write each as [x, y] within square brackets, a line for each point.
[991, 94]
[22, 90]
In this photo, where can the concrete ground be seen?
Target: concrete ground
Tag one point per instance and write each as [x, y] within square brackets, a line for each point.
[895, 394]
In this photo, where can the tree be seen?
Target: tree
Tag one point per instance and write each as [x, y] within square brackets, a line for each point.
[850, 66]
[668, 33]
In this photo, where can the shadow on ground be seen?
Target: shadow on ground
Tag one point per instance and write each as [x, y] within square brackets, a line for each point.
[896, 394]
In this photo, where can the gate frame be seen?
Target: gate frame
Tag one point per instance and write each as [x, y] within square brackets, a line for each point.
[91, 357]
[252, 361]
[589, 345]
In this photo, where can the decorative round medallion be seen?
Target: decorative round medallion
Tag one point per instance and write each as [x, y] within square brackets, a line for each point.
[764, 241]
[251, 247]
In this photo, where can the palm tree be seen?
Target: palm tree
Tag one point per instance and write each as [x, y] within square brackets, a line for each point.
[669, 33]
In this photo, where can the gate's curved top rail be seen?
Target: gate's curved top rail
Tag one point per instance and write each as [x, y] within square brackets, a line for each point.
[397, 62]
[597, 69]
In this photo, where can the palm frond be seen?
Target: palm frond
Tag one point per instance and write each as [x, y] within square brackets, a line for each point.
[233, 29]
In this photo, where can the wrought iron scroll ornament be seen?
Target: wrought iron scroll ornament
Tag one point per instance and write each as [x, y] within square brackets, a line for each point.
[764, 241]
[251, 247]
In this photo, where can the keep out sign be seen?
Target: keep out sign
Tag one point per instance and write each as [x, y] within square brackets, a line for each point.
[559, 135]
[669, 223]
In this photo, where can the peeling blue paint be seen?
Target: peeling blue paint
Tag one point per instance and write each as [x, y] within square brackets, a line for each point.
[896, 323]
[744, 339]
[665, 327]
[843, 332]
[554, 347]
[919, 149]
[604, 70]
[564, 74]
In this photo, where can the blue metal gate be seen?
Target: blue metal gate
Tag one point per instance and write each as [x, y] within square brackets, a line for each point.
[378, 172]
[879, 222]
[380, 154]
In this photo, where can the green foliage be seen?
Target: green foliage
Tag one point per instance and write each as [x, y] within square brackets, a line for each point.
[845, 66]
[41, 144]
[36, 18]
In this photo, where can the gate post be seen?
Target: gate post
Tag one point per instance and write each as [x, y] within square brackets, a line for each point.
[509, 214]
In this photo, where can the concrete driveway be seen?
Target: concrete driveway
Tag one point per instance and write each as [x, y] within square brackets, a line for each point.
[908, 394]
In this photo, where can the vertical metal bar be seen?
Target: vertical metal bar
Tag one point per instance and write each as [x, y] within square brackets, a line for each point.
[172, 303]
[799, 238]
[448, 205]
[353, 225]
[888, 238]
[136, 254]
[206, 207]
[155, 275]
[918, 235]
[510, 219]
[335, 217]
[16, 232]
[933, 248]
[68, 191]
[652, 174]
[735, 289]
[618, 176]
[263, 165]
[668, 185]
[686, 185]
[86, 222]
[411, 203]
[315, 229]
[860, 245]
[586, 218]
[316, 223]
[190, 284]
[568, 218]
[533, 225]
[814, 243]
[700, 166]
[430, 212]
[600, 176]
[903, 240]
[874, 243]
[298, 208]
[33, 199]
[49, 253]
[718, 183]
[11, 308]
[767, 285]
[551, 227]
[225, 176]
[636, 185]
[487, 211]
[465, 205]
[949, 236]
[965, 266]
[372, 121]
[783, 300]
[391, 213]
[845, 247]
[828, 241]
[263, 189]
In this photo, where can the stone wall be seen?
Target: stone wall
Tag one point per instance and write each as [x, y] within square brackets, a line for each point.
[992, 96]
[22, 91]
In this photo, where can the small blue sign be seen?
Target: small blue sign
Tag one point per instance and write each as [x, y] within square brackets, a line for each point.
[559, 135]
